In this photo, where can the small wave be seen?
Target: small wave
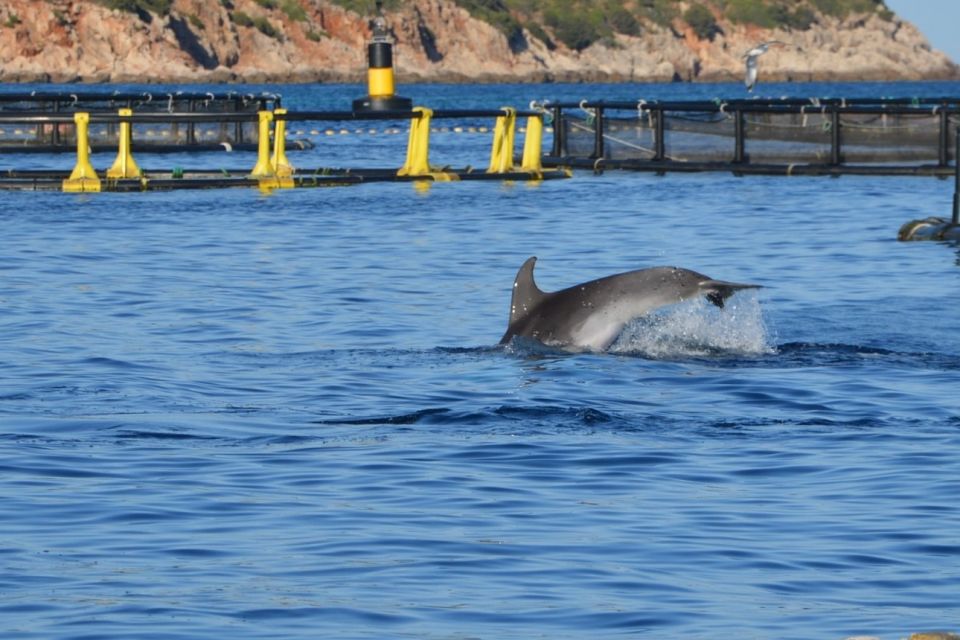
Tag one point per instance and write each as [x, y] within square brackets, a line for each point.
[829, 353]
[698, 329]
[550, 419]
[830, 347]
[413, 417]
[112, 363]
[341, 615]
[530, 348]
[524, 415]
[140, 434]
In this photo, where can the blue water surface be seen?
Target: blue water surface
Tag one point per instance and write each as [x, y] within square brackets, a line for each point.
[232, 414]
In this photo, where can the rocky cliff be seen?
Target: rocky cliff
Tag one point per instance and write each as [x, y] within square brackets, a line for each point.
[436, 40]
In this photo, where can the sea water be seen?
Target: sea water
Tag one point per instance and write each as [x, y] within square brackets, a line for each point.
[286, 415]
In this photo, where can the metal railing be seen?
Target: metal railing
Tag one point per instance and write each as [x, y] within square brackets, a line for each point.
[661, 118]
[272, 164]
[60, 138]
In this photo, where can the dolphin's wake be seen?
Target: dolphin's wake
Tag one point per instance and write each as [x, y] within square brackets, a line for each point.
[696, 329]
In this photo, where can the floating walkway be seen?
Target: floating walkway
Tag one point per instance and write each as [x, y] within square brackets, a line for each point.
[156, 137]
[273, 169]
[881, 136]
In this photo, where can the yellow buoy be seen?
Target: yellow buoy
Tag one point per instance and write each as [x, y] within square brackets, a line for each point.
[380, 82]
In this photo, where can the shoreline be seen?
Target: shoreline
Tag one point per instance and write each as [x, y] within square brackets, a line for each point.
[228, 77]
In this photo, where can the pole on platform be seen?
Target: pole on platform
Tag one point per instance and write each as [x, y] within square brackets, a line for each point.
[598, 144]
[943, 144]
[83, 177]
[835, 157]
[501, 151]
[559, 133]
[739, 153]
[418, 145]
[124, 166]
[956, 181]
[279, 158]
[533, 146]
[660, 145]
[380, 84]
[264, 167]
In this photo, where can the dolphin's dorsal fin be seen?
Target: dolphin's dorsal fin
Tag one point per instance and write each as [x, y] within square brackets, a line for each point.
[526, 294]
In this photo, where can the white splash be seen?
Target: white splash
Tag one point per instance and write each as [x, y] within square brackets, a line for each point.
[698, 328]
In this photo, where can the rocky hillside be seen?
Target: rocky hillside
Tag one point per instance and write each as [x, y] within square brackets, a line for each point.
[444, 40]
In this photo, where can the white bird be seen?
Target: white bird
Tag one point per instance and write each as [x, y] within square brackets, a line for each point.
[750, 80]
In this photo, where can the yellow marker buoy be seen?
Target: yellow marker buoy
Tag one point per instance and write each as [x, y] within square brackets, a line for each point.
[380, 83]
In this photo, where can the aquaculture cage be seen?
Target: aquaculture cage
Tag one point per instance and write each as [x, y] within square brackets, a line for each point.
[813, 136]
[34, 135]
[271, 169]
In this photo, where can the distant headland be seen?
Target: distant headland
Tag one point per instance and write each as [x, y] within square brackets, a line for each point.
[182, 41]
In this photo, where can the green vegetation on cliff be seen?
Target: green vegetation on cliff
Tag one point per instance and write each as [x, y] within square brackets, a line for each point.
[159, 7]
[796, 15]
[580, 23]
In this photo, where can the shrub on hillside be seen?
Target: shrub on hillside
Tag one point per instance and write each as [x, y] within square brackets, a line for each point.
[622, 21]
[159, 7]
[800, 19]
[702, 22]
[576, 30]
[659, 11]
[495, 13]
[366, 7]
[261, 24]
[843, 8]
[294, 10]
[755, 12]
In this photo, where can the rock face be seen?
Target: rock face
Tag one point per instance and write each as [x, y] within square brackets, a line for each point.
[436, 40]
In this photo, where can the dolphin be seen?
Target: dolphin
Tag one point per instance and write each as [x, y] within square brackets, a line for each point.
[590, 316]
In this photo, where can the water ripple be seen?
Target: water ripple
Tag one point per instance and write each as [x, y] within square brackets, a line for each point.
[231, 414]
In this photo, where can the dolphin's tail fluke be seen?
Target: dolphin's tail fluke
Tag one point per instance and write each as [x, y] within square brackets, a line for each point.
[717, 291]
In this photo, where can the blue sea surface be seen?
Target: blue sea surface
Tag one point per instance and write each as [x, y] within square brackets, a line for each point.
[235, 414]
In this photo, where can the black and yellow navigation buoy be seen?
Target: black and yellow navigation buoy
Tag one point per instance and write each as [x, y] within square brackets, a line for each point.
[380, 83]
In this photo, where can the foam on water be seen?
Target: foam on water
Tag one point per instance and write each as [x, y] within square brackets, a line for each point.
[697, 328]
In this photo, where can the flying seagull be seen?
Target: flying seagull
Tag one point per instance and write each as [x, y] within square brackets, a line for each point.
[750, 80]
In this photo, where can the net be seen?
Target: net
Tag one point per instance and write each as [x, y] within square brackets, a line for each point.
[62, 136]
[767, 134]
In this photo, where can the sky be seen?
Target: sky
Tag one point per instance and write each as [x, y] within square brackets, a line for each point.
[939, 20]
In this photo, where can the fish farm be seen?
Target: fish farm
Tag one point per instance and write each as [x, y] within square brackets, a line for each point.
[85, 124]
[769, 137]
[24, 134]
[785, 136]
